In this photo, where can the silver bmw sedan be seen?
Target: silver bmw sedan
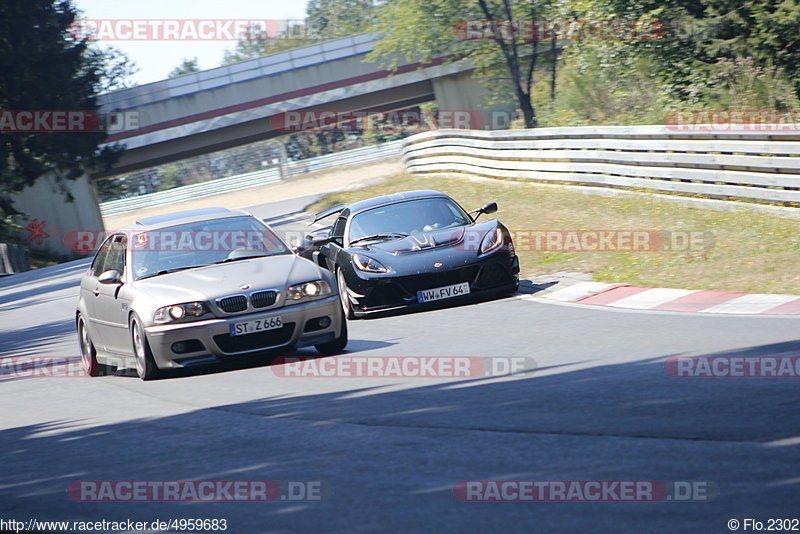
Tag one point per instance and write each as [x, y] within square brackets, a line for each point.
[201, 286]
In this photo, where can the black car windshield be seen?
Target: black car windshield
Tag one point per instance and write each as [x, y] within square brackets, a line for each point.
[197, 244]
[407, 218]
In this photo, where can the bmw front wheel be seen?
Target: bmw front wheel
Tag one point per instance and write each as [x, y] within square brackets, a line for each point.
[145, 365]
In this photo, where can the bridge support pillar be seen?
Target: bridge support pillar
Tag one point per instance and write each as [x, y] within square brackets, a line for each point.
[51, 223]
[460, 92]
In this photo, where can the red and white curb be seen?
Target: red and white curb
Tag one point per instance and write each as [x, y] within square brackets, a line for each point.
[675, 300]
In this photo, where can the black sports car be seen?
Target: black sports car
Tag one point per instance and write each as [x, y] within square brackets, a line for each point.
[409, 249]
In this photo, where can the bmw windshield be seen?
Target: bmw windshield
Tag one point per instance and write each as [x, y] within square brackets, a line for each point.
[202, 243]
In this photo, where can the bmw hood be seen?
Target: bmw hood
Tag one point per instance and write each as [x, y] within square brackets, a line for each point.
[216, 281]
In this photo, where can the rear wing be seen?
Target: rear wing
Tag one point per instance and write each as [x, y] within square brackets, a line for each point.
[328, 212]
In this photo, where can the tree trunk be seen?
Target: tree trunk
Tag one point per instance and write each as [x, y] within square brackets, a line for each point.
[528, 114]
[553, 59]
[511, 55]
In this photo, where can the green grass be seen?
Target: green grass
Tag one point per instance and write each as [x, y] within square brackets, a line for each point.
[744, 250]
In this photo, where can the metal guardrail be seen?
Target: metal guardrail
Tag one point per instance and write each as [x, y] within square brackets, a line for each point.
[187, 192]
[347, 157]
[253, 179]
[752, 165]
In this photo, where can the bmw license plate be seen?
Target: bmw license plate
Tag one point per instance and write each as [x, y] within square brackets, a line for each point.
[257, 325]
[445, 292]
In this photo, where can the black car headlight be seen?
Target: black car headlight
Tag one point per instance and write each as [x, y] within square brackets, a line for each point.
[491, 241]
[367, 264]
[180, 312]
[312, 289]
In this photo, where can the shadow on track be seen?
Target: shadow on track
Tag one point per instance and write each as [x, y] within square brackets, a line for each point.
[387, 452]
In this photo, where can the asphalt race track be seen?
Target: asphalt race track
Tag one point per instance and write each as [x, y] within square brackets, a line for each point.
[385, 453]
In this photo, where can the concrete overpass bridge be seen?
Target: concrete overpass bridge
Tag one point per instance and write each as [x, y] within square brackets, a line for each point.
[237, 104]
[233, 105]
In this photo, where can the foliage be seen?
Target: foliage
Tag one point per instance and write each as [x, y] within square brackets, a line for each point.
[303, 145]
[45, 69]
[186, 67]
[109, 188]
[113, 66]
[255, 42]
[326, 19]
[714, 54]
[765, 30]
[593, 90]
[421, 30]
[330, 19]
[742, 84]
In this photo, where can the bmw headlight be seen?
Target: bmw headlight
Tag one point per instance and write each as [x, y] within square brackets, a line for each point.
[367, 264]
[308, 289]
[177, 312]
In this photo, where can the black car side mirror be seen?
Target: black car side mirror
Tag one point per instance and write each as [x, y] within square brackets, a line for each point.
[319, 240]
[491, 207]
[109, 277]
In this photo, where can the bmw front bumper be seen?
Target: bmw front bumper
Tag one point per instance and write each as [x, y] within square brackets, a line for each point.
[206, 341]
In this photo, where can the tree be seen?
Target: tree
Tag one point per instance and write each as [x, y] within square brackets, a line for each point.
[329, 19]
[714, 54]
[765, 30]
[45, 69]
[325, 19]
[249, 46]
[186, 67]
[255, 42]
[505, 61]
[673, 53]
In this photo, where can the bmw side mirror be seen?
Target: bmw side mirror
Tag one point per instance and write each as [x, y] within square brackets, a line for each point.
[491, 207]
[110, 277]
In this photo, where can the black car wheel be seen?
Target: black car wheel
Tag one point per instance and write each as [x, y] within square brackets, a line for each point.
[347, 306]
[145, 365]
[338, 344]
